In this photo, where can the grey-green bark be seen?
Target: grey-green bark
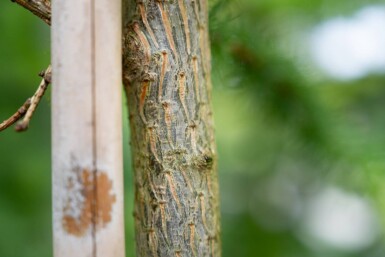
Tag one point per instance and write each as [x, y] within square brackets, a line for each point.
[166, 67]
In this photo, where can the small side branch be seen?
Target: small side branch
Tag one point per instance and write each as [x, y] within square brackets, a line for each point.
[17, 116]
[41, 8]
[29, 107]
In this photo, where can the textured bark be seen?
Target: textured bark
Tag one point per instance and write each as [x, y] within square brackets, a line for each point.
[166, 69]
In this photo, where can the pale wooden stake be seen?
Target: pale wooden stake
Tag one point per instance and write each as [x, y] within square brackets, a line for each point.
[86, 129]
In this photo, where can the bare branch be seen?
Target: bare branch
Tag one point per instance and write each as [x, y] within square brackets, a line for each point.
[35, 100]
[29, 107]
[15, 117]
[41, 8]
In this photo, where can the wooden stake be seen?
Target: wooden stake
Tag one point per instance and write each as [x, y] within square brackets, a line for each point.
[86, 129]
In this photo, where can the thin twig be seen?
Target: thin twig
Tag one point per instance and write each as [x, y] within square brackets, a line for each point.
[17, 116]
[41, 8]
[35, 100]
[29, 107]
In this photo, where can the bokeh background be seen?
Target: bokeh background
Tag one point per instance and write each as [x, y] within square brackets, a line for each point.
[299, 104]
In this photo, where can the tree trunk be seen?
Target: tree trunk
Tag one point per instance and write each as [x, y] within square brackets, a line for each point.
[166, 73]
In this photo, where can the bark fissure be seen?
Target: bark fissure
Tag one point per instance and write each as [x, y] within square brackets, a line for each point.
[166, 69]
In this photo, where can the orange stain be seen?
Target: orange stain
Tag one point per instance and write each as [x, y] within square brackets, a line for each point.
[95, 206]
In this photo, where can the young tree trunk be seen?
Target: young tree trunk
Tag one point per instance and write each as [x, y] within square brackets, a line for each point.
[166, 73]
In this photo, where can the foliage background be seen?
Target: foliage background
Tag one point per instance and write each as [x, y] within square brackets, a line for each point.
[285, 132]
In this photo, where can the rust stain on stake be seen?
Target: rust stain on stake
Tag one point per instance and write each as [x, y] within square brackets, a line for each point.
[82, 210]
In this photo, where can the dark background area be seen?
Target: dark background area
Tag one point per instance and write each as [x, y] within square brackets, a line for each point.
[301, 144]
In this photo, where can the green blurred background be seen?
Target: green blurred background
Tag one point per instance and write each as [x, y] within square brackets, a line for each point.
[299, 103]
